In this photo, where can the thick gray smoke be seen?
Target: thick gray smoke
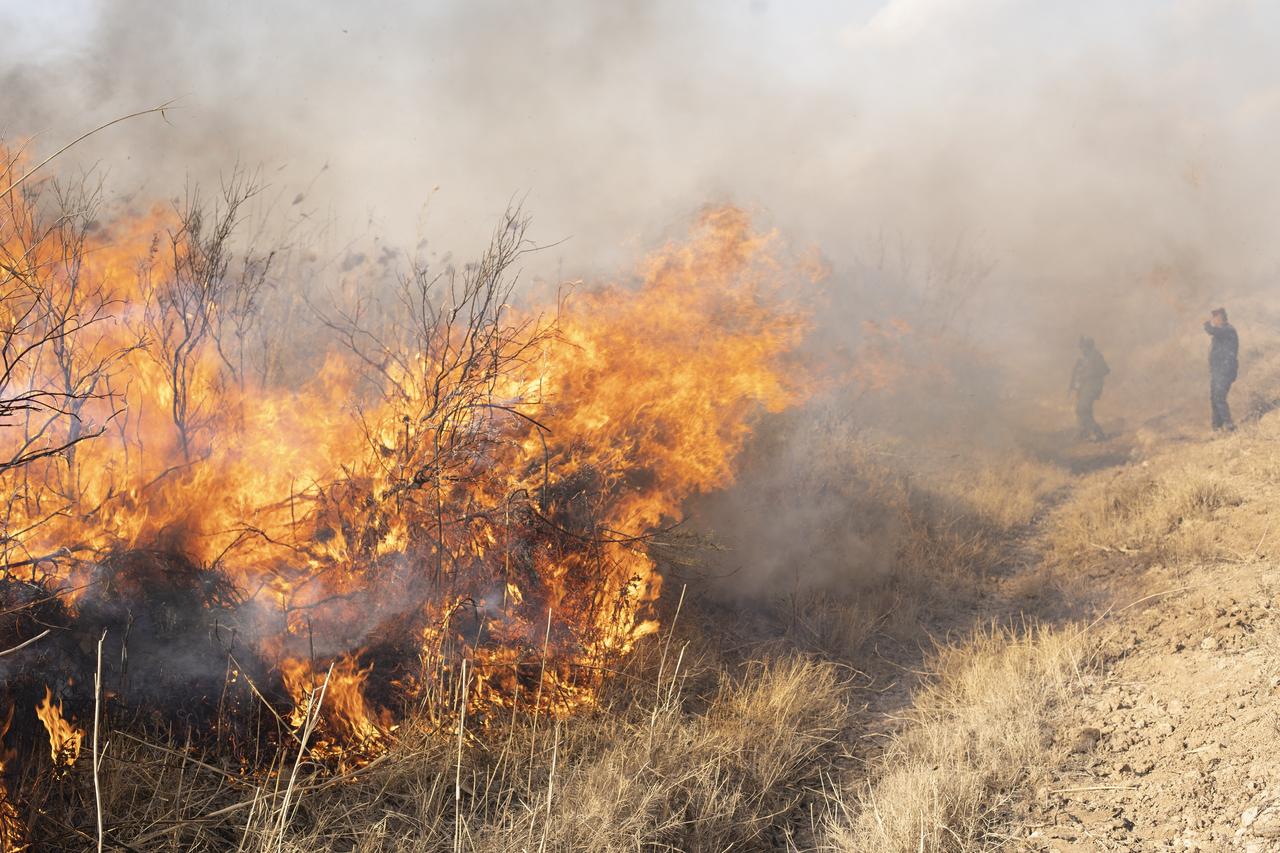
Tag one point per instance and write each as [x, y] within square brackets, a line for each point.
[1081, 146]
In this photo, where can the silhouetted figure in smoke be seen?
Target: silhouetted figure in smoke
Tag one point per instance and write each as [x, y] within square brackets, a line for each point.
[1086, 381]
[1224, 364]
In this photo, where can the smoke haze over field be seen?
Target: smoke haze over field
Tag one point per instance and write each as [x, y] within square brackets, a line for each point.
[385, 380]
[1109, 163]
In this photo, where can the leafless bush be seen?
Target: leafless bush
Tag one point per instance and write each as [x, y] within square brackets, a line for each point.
[58, 343]
[439, 351]
[198, 296]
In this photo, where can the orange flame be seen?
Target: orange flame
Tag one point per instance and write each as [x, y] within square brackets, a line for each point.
[330, 507]
[343, 706]
[13, 832]
[64, 738]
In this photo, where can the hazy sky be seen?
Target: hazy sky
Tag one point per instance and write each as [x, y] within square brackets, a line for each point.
[1084, 145]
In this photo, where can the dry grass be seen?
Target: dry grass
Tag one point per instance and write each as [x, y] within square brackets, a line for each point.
[693, 747]
[836, 535]
[1005, 491]
[658, 769]
[1188, 502]
[974, 736]
[1171, 516]
[960, 525]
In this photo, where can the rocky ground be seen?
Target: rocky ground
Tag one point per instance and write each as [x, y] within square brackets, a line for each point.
[1173, 742]
[1174, 745]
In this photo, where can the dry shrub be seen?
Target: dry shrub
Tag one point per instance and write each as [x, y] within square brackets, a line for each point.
[974, 736]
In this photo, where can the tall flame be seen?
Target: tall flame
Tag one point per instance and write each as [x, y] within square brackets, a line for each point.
[511, 529]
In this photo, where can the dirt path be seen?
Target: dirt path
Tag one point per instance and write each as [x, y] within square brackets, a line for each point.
[1174, 741]
[1174, 746]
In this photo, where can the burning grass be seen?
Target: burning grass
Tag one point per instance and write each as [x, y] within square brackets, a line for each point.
[696, 743]
[401, 589]
[657, 765]
[445, 503]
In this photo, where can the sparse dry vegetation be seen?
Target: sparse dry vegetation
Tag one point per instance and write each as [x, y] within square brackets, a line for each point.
[976, 733]
[1163, 517]
[709, 738]
[658, 767]
[698, 744]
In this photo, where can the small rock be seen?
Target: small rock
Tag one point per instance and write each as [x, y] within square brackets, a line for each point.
[1266, 824]
[1086, 740]
[1175, 707]
[1208, 644]
[1164, 729]
[1249, 816]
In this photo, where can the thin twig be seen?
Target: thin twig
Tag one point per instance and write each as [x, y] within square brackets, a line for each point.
[1257, 548]
[97, 756]
[81, 138]
[312, 719]
[551, 787]
[457, 776]
[1094, 788]
[26, 643]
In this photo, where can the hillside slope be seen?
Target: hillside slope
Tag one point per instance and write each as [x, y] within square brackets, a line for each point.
[1168, 743]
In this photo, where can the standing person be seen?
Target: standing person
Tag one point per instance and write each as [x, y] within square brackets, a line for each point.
[1086, 381]
[1223, 366]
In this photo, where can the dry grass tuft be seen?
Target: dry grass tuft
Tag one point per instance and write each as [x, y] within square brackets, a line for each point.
[1161, 517]
[975, 734]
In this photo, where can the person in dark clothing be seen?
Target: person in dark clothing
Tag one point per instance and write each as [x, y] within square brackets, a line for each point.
[1223, 366]
[1086, 382]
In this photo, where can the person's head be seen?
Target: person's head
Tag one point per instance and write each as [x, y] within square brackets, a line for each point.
[1086, 344]
[1219, 317]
